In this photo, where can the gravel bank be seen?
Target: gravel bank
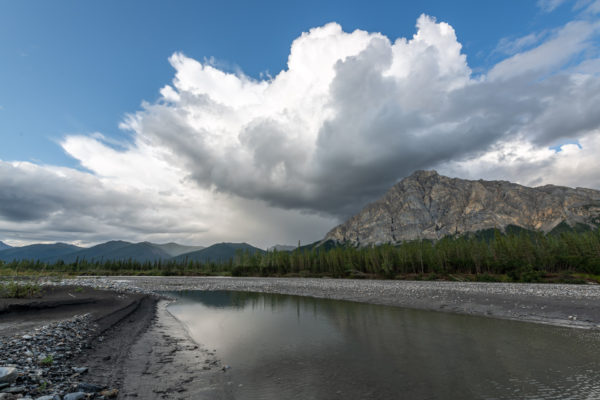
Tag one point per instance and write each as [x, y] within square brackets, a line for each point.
[140, 350]
[48, 351]
[556, 304]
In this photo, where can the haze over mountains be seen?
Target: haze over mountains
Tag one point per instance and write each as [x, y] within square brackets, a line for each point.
[427, 205]
[121, 250]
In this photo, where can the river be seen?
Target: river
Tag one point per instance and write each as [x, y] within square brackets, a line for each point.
[291, 347]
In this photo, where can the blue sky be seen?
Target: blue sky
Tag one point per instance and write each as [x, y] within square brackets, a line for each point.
[78, 67]
[183, 120]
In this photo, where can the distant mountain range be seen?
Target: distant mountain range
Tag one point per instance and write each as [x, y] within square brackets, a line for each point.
[4, 246]
[42, 252]
[427, 205]
[283, 247]
[218, 253]
[121, 250]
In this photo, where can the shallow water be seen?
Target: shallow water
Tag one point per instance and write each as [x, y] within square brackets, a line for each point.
[290, 347]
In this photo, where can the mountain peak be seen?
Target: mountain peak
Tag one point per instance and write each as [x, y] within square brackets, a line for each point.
[424, 174]
[427, 205]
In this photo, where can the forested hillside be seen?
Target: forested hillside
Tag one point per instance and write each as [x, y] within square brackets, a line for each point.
[491, 255]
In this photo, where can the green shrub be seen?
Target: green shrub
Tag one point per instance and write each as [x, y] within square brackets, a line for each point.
[14, 290]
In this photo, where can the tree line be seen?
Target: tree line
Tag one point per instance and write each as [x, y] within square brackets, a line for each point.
[520, 256]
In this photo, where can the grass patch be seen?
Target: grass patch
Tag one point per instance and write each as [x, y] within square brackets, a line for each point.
[47, 361]
[14, 290]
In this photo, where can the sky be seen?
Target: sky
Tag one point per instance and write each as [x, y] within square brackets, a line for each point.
[271, 122]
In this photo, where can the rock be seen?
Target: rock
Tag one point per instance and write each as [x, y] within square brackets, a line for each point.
[80, 370]
[49, 397]
[110, 393]
[426, 205]
[15, 389]
[89, 387]
[8, 374]
[75, 396]
[26, 337]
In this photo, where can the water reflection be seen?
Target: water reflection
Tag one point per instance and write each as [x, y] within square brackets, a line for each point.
[301, 348]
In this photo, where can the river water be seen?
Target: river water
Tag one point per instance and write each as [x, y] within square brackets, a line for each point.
[290, 347]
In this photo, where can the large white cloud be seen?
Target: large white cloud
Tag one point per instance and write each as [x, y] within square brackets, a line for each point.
[353, 112]
[222, 156]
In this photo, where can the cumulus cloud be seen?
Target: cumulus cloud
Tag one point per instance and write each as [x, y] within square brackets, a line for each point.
[575, 165]
[223, 156]
[355, 111]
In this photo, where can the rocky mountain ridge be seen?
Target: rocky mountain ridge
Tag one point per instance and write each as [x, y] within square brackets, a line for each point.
[427, 205]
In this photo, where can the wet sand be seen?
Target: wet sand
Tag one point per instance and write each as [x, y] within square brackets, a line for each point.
[165, 363]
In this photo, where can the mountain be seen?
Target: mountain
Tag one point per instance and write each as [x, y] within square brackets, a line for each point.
[4, 246]
[117, 250]
[427, 205]
[113, 250]
[174, 249]
[218, 253]
[282, 247]
[42, 252]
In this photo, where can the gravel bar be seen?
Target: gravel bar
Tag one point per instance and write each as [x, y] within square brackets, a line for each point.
[556, 304]
[25, 356]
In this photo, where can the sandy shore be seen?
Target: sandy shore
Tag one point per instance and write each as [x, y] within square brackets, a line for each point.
[139, 348]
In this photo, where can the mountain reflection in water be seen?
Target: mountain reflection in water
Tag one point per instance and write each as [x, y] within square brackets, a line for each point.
[294, 347]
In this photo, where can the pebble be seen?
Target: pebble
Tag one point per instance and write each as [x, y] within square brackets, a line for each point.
[15, 389]
[75, 396]
[80, 370]
[8, 374]
[37, 363]
[88, 387]
[109, 393]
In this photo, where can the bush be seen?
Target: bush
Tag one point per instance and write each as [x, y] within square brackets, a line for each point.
[14, 290]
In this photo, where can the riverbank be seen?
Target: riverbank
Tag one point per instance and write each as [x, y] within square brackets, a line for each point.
[554, 304]
[126, 339]
[53, 342]
[124, 345]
